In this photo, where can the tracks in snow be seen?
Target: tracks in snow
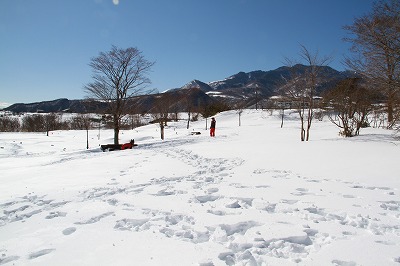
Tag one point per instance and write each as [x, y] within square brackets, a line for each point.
[247, 221]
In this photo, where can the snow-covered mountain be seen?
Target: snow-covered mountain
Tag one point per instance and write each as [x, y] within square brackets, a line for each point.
[197, 84]
[267, 82]
[246, 87]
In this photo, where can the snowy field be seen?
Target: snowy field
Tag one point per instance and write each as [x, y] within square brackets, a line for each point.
[253, 195]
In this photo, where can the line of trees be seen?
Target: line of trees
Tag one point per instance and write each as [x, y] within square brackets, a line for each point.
[32, 123]
[55, 121]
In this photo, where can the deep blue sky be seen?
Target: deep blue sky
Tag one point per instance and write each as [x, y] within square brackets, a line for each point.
[46, 45]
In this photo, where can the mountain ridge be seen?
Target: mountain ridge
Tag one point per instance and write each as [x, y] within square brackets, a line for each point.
[240, 87]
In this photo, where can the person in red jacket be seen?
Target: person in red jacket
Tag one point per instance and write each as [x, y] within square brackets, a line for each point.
[128, 145]
[212, 127]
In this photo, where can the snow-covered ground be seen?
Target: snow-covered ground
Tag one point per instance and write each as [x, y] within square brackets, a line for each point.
[253, 195]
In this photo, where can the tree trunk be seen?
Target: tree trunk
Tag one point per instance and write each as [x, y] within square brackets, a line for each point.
[302, 113]
[116, 134]
[188, 120]
[162, 130]
[390, 111]
[87, 138]
[116, 130]
[309, 120]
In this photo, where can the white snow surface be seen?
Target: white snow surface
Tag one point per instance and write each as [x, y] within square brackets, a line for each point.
[253, 195]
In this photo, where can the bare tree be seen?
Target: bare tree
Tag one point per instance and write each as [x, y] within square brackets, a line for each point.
[239, 107]
[301, 85]
[257, 95]
[51, 121]
[135, 120]
[83, 121]
[189, 109]
[119, 74]
[9, 124]
[351, 101]
[162, 106]
[376, 52]
[33, 123]
[282, 107]
[208, 111]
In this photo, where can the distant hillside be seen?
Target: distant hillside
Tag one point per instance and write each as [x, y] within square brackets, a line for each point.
[244, 88]
[178, 100]
[59, 105]
[243, 85]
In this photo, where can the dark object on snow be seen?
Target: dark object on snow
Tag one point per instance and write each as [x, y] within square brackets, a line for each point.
[112, 147]
[195, 133]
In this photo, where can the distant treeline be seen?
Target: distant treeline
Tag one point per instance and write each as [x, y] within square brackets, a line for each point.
[53, 121]
[46, 122]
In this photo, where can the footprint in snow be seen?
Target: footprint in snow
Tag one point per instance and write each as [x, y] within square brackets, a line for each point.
[390, 205]
[207, 198]
[347, 233]
[212, 190]
[290, 202]
[263, 186]
[349, 196]
[301, 192]
[69, 231]
[387, 243]
[343, 263]
[130, 224]
[234, 205]
[96, 218]
[164, 192]
[52, 215]
[240, 203]
[217, 212]
[4, 260]
[206, 264]
[40, 253]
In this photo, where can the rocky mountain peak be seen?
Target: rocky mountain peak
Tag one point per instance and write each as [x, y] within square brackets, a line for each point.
[198, 85]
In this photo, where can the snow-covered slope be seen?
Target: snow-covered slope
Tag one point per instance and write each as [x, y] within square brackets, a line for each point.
[253, 195]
